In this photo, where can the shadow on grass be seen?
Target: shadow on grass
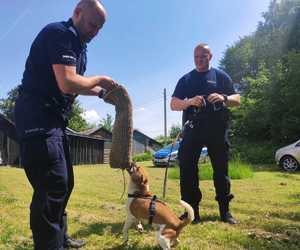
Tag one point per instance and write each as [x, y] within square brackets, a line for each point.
[100, 229]
[287, 216]
[132, 246]
[295, 197]
[113, 228]
[210, 218]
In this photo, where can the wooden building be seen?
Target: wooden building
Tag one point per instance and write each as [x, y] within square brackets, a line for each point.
[84, 149]
[141, 142]
[88, 147]
[9, 148]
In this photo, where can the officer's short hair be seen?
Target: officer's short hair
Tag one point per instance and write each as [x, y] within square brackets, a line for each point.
[203, 46]
[88, 3]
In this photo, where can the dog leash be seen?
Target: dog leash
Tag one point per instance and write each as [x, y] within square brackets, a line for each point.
[124, 185]
[168, 163]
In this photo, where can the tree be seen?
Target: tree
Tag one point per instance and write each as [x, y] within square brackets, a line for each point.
[161, 139]
[268, 62]
[107, 122]
[77, 122]
[175, 130]
[7, 104]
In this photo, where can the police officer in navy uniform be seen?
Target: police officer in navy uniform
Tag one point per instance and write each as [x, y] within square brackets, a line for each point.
[53, 77]
[204, 95]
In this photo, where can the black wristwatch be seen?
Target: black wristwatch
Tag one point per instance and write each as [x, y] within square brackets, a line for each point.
[102, 93]
[225, 98]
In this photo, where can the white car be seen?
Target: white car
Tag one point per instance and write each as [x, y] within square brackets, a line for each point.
[288, 157]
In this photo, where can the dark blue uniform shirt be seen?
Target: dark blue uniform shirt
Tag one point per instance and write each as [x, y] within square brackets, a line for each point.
[204, 83]
[41, 107]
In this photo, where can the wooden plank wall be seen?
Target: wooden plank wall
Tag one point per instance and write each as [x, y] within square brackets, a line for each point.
[2, 148]
[86, 151]
[13, 152]
[9, 150]
[107, 149]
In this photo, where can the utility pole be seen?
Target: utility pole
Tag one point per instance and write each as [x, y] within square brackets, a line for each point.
[165, 122]
[165, 113]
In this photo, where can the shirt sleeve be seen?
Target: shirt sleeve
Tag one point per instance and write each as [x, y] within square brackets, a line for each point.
[228, 85]
[61, 48]
[180, 89]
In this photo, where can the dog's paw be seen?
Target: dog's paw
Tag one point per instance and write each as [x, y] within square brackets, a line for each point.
[175, 242]
[140, 228]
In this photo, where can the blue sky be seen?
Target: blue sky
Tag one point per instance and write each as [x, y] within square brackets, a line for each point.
[146, 45]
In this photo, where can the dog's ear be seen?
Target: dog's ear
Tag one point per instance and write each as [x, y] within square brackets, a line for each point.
[143, 184]
[144, 180]
[135, 178]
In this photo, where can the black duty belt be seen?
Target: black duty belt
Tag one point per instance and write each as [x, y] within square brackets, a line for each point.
[50, 104]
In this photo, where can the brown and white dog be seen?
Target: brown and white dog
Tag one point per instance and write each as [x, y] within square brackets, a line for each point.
[138, 203]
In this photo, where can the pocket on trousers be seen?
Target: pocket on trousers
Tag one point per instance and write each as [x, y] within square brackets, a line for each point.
[54, 150]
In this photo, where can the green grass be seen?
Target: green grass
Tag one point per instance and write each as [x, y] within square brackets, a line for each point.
[266, 205]
[237, 170]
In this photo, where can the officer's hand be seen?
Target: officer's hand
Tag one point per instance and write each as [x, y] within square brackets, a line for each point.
[197, 101]
[107, 83]
[215, 97]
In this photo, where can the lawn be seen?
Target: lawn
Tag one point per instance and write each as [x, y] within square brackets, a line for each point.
[267, 206]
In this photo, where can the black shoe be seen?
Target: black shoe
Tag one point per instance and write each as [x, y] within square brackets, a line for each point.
[196, 220]
[228, 218]
[72, 243]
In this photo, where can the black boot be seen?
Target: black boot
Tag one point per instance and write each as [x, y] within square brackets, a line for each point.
[225, 214]
[196, 215]
[72, 243]
[68, 241]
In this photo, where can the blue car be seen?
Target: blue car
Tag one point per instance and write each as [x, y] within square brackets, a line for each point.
[170, 154]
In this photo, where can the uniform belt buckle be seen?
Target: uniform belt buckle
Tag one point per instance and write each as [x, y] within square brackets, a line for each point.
[217, 108]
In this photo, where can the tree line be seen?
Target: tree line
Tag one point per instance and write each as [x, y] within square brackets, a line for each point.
[76, 122]
[266, 64]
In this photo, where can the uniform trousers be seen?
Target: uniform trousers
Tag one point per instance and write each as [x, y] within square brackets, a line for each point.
[48, 167]
[197, 134]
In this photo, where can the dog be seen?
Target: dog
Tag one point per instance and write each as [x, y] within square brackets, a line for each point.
[140, 204]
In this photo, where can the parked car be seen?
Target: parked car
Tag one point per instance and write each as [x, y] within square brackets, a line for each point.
[170, 154]
[288, 157]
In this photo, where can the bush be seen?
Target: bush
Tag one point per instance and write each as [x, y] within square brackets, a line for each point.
[147, 156]
[237, 170]
[255, 153]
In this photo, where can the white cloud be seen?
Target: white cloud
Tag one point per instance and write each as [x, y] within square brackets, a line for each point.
[151, 122]
[139, 109]
[91, 116]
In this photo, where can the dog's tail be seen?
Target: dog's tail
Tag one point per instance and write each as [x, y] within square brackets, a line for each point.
[190, 214]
